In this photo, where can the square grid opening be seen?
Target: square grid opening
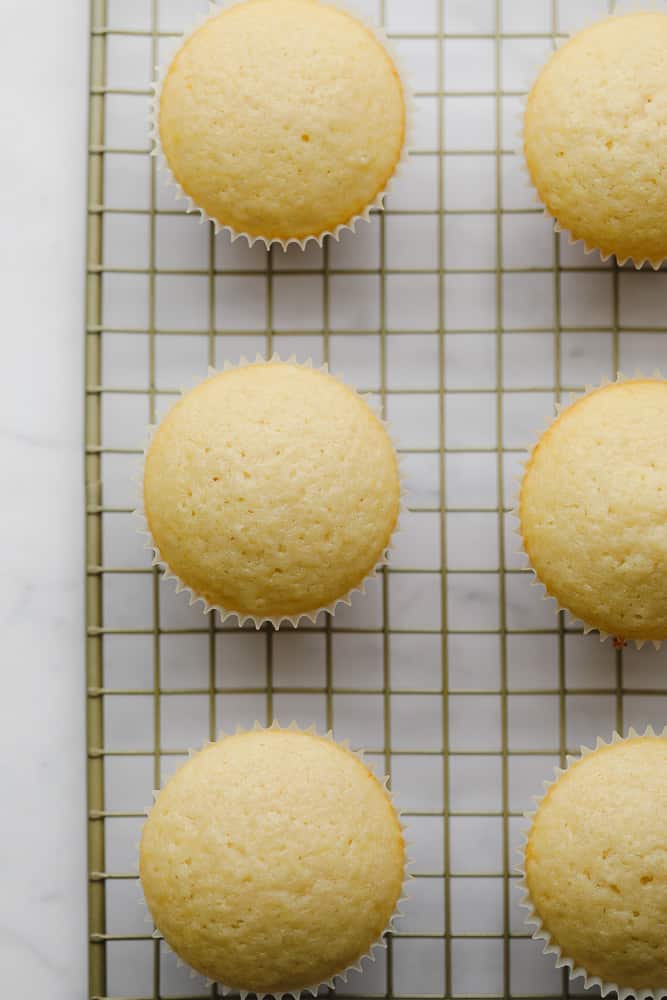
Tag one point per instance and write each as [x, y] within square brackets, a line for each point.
[466, 318]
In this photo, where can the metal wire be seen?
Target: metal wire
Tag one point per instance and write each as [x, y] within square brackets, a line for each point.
[103, 567]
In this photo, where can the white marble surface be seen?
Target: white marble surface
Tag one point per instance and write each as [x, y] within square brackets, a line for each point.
[43, 72]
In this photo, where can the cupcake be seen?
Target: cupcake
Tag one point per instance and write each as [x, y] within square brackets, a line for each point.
[596, 867]
[595, 134]
[271, 491]
[593, 510]
[273, 861]
[282, 120]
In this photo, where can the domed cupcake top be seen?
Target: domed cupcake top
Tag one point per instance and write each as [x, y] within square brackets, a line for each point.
[271, 490]
[272, 860]
[595, 134]
[593, 509]
[282, 119]
[596, 864]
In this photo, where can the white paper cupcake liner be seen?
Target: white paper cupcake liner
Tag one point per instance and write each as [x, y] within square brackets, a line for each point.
[191, 206]
[628, 7]
[533, 920]
[368, 957]
[258, 621]
[516, 514]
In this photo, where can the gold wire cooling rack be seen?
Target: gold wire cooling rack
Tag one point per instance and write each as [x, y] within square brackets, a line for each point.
[467, 318]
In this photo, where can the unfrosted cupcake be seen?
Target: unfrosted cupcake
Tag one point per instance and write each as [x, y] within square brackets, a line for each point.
[282, 119]
[595, 135]
[593, 509]
[596, 867]
[271, 491]
[273, 861]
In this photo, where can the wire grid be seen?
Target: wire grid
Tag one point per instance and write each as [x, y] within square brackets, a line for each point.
[464, 687]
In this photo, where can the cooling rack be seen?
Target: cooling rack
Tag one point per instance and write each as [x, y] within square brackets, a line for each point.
[463, 314]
